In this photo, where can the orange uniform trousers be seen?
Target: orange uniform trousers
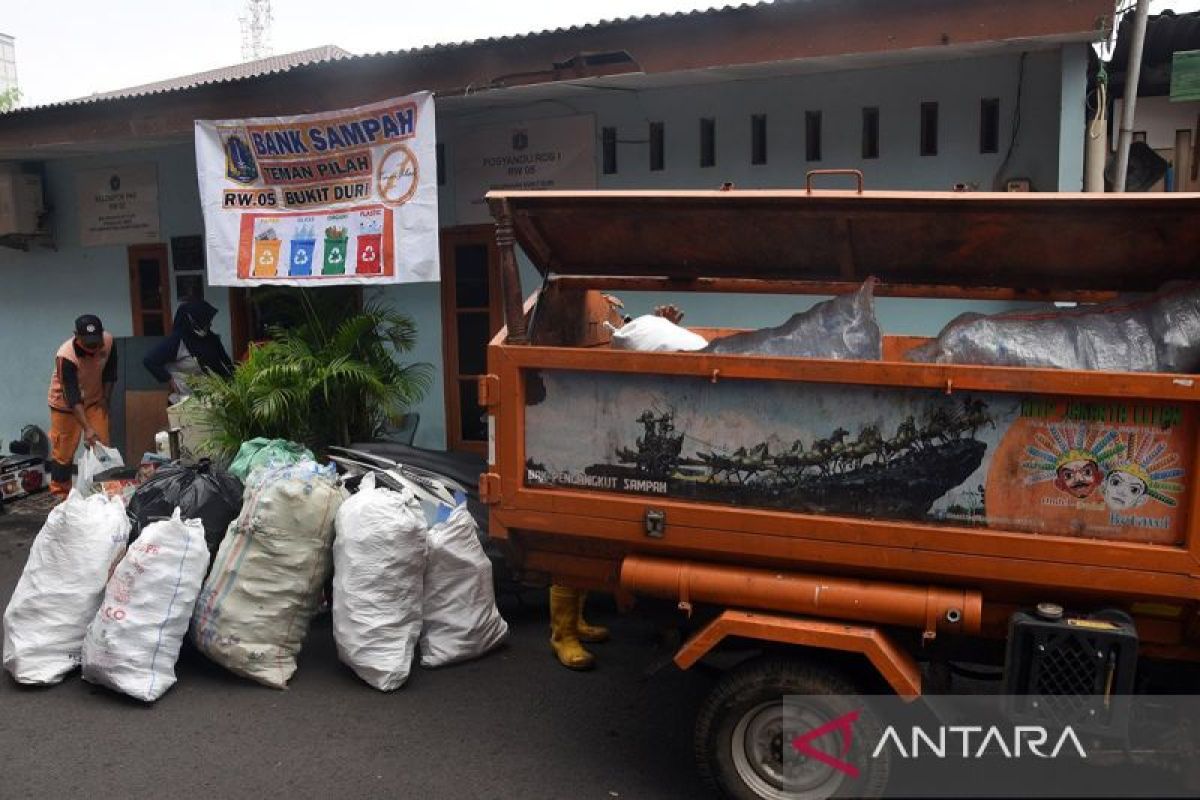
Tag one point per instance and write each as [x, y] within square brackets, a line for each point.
[64, 441]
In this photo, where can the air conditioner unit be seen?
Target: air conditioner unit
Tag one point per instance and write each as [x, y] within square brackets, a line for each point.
[20, 202]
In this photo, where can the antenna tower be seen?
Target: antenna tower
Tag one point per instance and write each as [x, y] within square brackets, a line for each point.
[256, 29]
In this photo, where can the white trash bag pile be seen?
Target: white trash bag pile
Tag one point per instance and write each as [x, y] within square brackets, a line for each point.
[409, 574]
[398, 580]
[62, 587]
[379, 560]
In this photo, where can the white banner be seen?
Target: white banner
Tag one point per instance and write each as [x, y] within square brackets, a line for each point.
[343, 197]
[118, 205]
[557, 153]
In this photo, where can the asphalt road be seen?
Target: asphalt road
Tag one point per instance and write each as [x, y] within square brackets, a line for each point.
[513, 724]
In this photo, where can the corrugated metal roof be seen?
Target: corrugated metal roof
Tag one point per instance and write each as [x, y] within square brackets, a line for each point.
[319, 55]
[249, 69]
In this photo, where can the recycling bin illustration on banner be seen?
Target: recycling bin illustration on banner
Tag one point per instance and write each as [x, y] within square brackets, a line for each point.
[266, 254]
[336, 246]
[370, 244]
[304, 245]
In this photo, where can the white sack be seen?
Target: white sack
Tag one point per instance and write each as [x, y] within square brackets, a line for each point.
[62, 586]
[133, 642]
[461, 619]
[656, 334]
[265, 584]
[378, 574]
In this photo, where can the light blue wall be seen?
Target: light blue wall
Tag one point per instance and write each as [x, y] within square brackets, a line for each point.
[1051, 83]
[1073, 112]
[43, 291]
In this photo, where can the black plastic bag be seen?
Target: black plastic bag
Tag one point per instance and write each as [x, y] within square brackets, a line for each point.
[200, 492]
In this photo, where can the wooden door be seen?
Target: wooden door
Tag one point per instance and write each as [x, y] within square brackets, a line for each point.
[149, 289]
[471, 316]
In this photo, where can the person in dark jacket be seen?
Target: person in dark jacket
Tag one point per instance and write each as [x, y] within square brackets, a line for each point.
[189, 350]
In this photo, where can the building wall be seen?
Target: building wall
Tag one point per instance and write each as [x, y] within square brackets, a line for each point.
[1050, 157]
[1159, 119]
[44, 290]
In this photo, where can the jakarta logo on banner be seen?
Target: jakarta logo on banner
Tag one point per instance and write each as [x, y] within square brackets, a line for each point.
[339, 197]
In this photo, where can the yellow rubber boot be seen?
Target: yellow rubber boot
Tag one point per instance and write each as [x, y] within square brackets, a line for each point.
[589, 633]
[564, 633]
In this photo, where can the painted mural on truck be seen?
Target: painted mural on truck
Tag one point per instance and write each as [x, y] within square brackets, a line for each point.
[1100, 469]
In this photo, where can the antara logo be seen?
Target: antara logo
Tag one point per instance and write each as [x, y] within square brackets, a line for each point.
[844, 727]
[945, 741]
[959, 740]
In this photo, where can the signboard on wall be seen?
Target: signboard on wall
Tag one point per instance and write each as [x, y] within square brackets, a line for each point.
[340, 197]
[558, 153]
[118, 205]
[1185, 76]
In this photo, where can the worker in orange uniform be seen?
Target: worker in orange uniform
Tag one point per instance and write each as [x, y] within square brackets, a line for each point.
[85, 371]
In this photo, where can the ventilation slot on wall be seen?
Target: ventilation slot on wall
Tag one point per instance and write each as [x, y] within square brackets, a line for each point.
[989, 125]
[608, 143]
[708, 142]
[657, 150]
[758, 139]
[929, 129]
[870, 133]
[812, 135]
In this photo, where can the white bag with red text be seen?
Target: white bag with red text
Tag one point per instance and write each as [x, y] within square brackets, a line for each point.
[133, 642]
[62, 586]
[461, 618]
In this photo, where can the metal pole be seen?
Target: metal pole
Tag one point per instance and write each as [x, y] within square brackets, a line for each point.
[1132, 75]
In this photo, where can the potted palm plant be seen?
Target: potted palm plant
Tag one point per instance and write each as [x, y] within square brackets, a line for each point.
[328, 379]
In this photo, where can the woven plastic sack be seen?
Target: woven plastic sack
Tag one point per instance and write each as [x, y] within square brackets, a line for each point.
[650, 333]
[378, 575]
[133, 642]
[261, 453]
[265, 582]
[843, 327]
[62, 586]
[461, 618]
[194, 421]
[198, 492]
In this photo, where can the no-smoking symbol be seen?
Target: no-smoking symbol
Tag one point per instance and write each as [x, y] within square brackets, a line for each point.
[396, 177]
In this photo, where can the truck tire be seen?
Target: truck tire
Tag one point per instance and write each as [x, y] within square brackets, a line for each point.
[740, 740]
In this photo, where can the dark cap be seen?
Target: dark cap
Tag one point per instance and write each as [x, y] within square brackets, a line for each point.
[90, 330]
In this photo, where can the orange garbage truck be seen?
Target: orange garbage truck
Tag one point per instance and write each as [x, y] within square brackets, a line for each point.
[865, 523]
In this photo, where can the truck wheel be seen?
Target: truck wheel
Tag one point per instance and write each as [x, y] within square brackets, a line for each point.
[740, 737]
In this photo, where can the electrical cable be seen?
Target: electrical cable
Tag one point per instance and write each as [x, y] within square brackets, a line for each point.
[1016, 124]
